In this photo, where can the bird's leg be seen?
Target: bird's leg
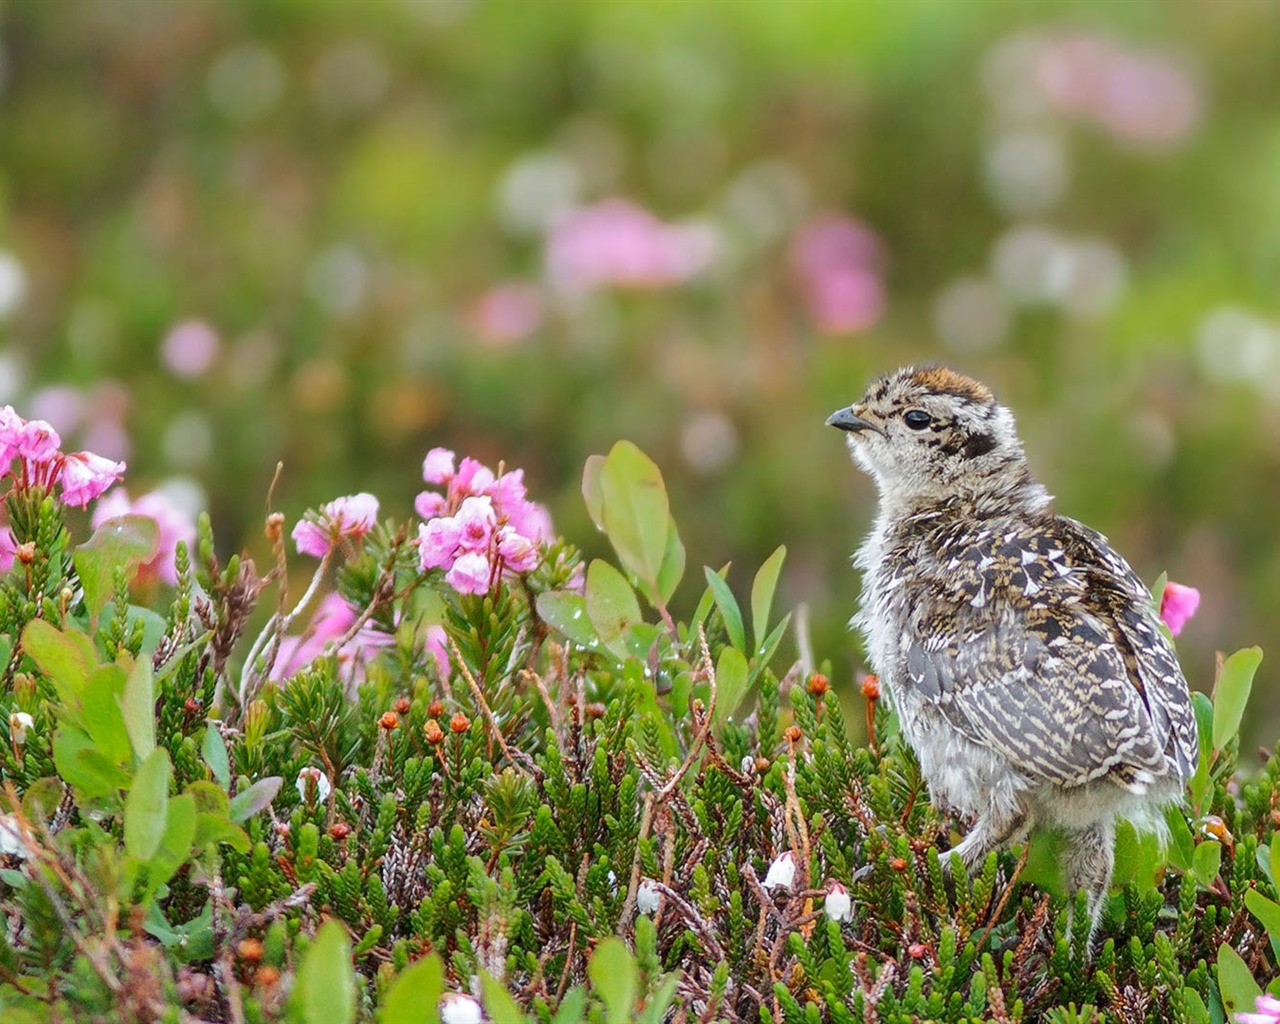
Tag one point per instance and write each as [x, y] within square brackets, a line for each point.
[1089, 863]
[988, 833]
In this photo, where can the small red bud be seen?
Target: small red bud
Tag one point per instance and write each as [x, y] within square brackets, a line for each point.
[403, 705]
[762, 765]
[433, 732]
[898, 864]
[389, 720]
[26, 553]
[818, 685]
[459, 724]
[266, 975]
[871, 687]
[249, 950]
[918, 950]
[339, 831]
[793, 734]
[595, 711]
[435, 709]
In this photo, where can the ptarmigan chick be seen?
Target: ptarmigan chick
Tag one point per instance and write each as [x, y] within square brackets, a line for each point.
[1021, 652]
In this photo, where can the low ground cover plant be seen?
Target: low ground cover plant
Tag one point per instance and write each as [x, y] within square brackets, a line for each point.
[467, 776]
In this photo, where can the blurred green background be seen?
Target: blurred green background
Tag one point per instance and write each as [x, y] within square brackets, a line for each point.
[338, 234]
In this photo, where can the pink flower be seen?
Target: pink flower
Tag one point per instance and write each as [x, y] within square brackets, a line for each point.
[8, 549]
[437, 467]
[85, 476]
[472, 478]
[1266, 1011]
[507, 313]
[352, 516]
[476, 520]
[10, 433]
[333, 619]
[173, 520]
[429, 504]
[470, 573]
[38, 441]
[437, 543]
[1177, 605]
[836, 263]
[518, 552]
[507, 491]
[437, 649]
[617, 243]
[190, 349]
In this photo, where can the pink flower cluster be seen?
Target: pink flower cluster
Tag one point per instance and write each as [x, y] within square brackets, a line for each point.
[481, 526]
[319, 532]
[617, 243]
[836, 263]
[1266, 1010]
[79, 476]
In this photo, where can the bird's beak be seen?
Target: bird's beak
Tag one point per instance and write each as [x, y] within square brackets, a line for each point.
[847, 419]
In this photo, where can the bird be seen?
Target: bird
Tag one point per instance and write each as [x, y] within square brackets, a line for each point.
[1022, 654]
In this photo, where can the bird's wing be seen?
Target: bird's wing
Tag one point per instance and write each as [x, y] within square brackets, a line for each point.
[1020, 656]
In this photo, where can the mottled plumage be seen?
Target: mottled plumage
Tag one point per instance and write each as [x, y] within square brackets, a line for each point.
[1021, 652]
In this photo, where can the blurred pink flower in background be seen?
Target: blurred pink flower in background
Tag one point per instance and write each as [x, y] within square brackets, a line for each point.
[8, 549]
[1266, 1010]
[836, 262]
[318, 532]
[618, 243]
[332, 620]
[507, 313]
[173, 520]
[190, 349]
[1142, 97]
[1177, 605]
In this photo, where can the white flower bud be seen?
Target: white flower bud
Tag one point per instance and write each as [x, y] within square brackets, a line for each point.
[19, 723]
[321, 781]
[837, 904]
[11, 837]
[782, 872]
[456, 1008]
[647, 896]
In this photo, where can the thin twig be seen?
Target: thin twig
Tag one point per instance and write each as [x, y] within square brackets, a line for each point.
[708, 667]
[515, 757]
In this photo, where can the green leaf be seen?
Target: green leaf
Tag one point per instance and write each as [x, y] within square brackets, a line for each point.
[705, 603]
[611, 606]
[498, 1003]
[567, 612]
[1137, 857]
[71, 749]
[1206, 861]
[414, 997]
[1231, 693]
[42, 798]
[104, 718]
[731, 683]
[1268, 858]
[1196, 1011]
[127, 540]
[146, 807]
[1235, 983]
[637, 515]
[673, 562]
[1181, 850]
[613, 972]
[175, 844]
[770, 646]
[1268, 912]
[214, 752]
[1202, 706]
[190, 941]
[762, 588]
[573, 1007]
[257, 797]
[592, 490]
[137, 706]
[729, 610]
[66, 658]
[324, 991]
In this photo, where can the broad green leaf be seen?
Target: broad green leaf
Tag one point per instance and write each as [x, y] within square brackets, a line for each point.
[128, 541]
[1235, 983]
[1181, 850]
[414, 997]
[190, 941]
[770, 646]
[1157, 591]
[257, 797]
[107, 771]
[660, 1002]
[636, 512]
[1044, 860]
[137, 705]
[729, 611]
[1206, 861]
[731, 683]
[673, 562]
[175, 844]
[146, 807]
[611, 605]
[1137, 857]
[592, 490]
[103, 717]
[1268, 858]
[613, 973]
[210, 798]
[69, 743]
[1202, 706]
[762, 589]
[1231, 693]
[214, 752]
[324, 991]
[1193, 1005]
[66, 658]
[42, 798]
[498, 1003]
[705, 603]
[573, 1007]
[566, 611]
[212, 829]
[1268, 912]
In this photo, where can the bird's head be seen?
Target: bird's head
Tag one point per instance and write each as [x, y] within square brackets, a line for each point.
[927, 434]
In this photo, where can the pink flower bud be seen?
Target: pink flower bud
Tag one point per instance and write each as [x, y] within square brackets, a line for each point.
[476, 520]
[38, 441]
[519, 553]
[437, 467]
[438, 542]
[470, 573]
[85, 476]
[1177, 605]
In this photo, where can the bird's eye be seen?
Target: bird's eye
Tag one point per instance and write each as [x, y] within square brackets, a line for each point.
[916, 419]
